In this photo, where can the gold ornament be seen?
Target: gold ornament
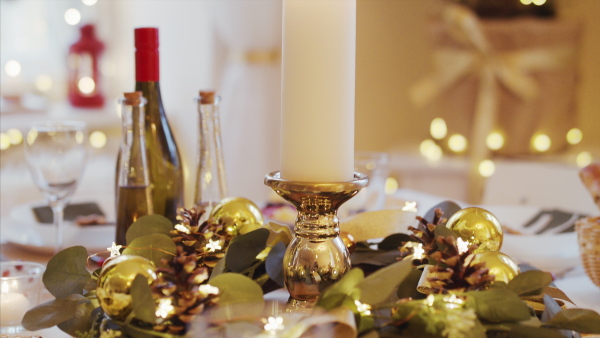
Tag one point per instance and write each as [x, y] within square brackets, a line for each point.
[348, 240]
[238, 215]
[502, 267]
[114, 283]
[477, 226]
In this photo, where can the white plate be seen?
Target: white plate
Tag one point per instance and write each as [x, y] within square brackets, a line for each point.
[21, 228]
[555, 253]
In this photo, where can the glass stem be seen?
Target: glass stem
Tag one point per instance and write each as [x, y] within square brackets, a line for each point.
[58, 214]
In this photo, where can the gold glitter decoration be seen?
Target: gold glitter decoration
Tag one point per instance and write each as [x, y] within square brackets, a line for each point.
[477, 226]
[502, 267]
[238, 215]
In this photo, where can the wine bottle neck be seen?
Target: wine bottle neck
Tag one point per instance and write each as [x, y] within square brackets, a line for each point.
[147, 65]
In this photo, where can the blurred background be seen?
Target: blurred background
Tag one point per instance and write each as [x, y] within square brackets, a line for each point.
[233, 46]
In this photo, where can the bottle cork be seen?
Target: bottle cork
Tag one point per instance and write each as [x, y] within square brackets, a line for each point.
[133, 99]
[207, 96]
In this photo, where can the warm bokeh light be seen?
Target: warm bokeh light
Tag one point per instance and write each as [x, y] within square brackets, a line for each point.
[72, 16]
[430, 150]
[541, 142]
[12, 68]
[86, 85]
[98, 139]
[584, 158]
[43, 83]
[539, 2]
[526, 2]
[487, 168]
[438, 128]
[4, 141]
[457, 143]
[494, 140]
[391, 186]
[574, 136]
[89, 2]
[15, 136]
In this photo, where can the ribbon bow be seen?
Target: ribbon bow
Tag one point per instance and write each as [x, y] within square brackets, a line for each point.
[509, 69]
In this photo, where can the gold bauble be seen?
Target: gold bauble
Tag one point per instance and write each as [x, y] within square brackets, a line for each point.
[477, 226]
[500, 265]
[239, 215]
[348, 240]
[114, 283]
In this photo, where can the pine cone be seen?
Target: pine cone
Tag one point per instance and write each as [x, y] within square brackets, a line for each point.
[423, 234]
[454, 270]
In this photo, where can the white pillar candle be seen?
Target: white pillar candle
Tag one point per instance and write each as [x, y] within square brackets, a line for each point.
[12, 308]
[318, 81]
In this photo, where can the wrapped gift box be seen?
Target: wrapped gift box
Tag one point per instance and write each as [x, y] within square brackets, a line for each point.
[534, 67]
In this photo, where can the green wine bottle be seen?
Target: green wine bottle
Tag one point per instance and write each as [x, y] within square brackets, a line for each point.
[164, 162]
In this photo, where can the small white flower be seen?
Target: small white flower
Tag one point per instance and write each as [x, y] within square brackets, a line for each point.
[213, 246]
[363, 308]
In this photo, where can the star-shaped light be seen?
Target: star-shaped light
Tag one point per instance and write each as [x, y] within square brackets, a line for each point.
[115, 250]
[182, 228]
[418, 251]
[453, 302]
[363, 308]
[462, 245]
[165, 308]
[410, 206]
[213, 246]
[274, 324]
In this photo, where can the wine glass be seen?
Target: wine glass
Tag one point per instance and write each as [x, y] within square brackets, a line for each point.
[56, 155]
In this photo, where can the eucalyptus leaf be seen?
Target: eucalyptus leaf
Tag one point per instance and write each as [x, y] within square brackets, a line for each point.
[274, 263]
[523, 331]
[279, 233]
[51, 313]
[66, 272]
[147, 225]
[530, 283]
[80, 321]
[347, 285]
[408, 287]
[243, 249]
[143, 304]
[580, 320]
[441, 230]
[154, 247]
[448, 207]
[236, 288]
[393, 242]
[336, 300]
[218, 269]
[378, 286]
[498, 305]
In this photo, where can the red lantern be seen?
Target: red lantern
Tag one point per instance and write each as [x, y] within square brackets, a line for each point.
[84, 76]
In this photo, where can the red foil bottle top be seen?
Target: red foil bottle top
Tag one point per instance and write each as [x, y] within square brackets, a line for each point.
[146, 55]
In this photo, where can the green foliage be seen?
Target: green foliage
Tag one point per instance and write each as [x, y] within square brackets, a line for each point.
[81, 321]
[154, 247]
[142, 301]
[498, 305]
[146, 225]
[393, 242]
[52, 313]
[530, 283]
[580, 320]
[235, 288]
[243, 249]
[66, 272]
[408, 287]
[377, 287]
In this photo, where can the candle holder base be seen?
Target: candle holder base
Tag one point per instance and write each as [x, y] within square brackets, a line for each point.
[317, 257]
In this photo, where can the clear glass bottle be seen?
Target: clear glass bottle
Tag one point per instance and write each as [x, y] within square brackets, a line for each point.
[211, 184]
[134, 194]
[164, 161]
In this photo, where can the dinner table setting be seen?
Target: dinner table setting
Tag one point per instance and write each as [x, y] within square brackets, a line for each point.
[105, 233]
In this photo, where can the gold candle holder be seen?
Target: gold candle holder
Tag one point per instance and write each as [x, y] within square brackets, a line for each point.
[317, 256]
